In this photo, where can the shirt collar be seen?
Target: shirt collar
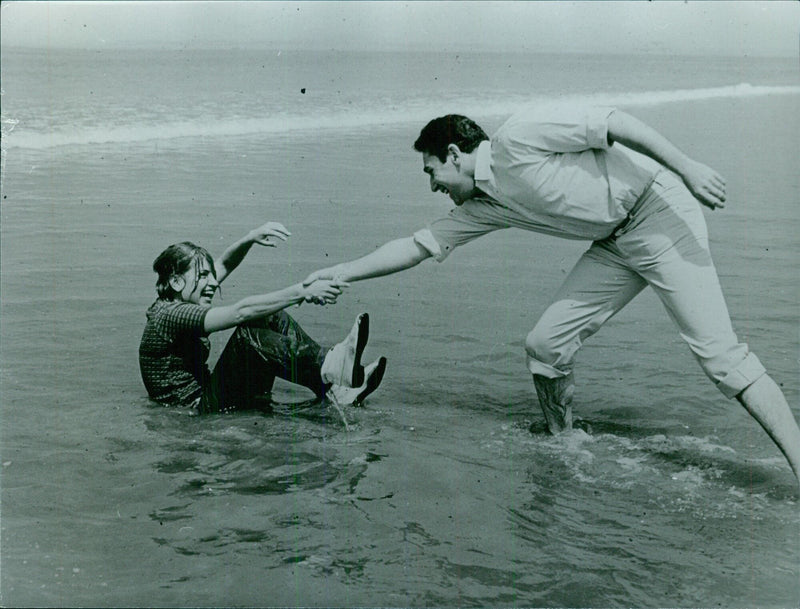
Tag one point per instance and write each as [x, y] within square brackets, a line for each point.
[483, 166]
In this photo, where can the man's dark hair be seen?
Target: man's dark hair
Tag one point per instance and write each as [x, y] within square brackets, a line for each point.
[438, 134]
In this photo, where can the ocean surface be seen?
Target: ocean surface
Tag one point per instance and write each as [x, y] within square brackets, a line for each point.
[435, 493]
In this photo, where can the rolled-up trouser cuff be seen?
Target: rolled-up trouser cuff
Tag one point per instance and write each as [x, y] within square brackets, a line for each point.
[744, 375]
[545, 370]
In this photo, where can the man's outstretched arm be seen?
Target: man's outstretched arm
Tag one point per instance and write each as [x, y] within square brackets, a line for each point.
[392, 257]
[704, 183]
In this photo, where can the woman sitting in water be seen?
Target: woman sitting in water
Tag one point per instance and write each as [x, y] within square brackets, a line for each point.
[267, 342]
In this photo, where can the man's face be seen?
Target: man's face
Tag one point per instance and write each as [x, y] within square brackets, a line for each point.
[449, 177]
[199, 284]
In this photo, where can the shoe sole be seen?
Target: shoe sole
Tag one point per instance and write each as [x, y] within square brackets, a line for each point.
[374, 380]
[361, 344]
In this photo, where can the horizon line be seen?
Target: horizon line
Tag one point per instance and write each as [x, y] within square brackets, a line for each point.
[489, 50]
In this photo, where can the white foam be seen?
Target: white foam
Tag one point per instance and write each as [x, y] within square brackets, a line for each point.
[367, 117]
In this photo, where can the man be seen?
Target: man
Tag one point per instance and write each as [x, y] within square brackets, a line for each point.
[561, 171]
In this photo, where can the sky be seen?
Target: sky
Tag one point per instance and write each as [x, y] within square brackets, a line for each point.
[674, 27]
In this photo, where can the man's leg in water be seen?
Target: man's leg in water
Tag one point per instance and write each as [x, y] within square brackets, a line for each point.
[705, 325]
[734, 369]
[670, 249]
[594, 291]
[766, 403]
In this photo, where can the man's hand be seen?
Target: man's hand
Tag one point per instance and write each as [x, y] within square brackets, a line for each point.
[330, 274]
[262, 234]
[705, 184]
[323, 291]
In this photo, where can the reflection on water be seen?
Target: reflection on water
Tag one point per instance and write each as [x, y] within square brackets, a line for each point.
[305, 498]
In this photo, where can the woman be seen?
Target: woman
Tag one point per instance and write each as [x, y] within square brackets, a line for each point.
[267, 342]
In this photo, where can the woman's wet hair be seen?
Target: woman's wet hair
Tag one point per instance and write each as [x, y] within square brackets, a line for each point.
[439, 133]
[176, 260]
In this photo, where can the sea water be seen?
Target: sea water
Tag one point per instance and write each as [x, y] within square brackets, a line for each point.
[435, 493]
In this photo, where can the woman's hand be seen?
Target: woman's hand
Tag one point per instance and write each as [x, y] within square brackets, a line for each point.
[263, 233]
[323, 291]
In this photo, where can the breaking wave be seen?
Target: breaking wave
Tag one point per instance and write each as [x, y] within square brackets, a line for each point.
[357, 118]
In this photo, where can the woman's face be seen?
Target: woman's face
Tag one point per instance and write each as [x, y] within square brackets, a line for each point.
[197, 285]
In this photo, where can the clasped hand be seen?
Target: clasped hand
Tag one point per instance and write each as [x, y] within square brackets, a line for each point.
[323, 291]
[324, 276]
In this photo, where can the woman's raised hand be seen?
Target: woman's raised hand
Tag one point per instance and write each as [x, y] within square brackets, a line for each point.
[263, 233]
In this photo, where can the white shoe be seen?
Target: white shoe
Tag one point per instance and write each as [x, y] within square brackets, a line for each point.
[346, 396]
[342, 364]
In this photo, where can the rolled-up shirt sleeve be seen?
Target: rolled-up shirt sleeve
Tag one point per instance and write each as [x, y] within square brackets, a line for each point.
[597, 127]
[560, 128]
[425, 238]
[457, 228]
